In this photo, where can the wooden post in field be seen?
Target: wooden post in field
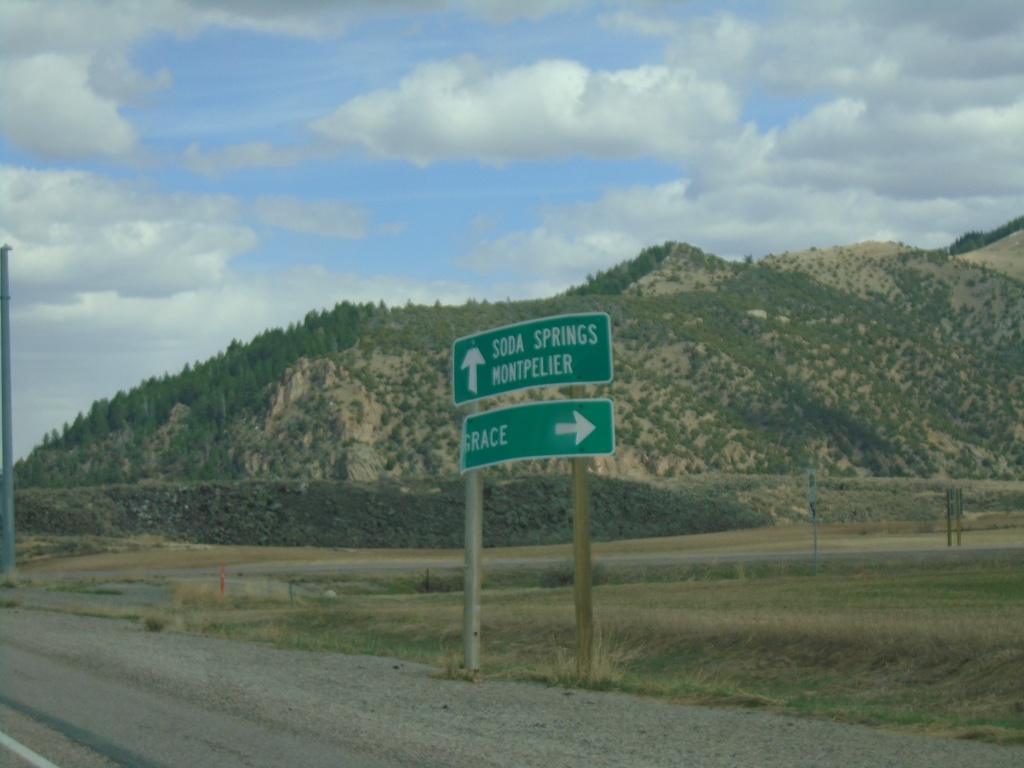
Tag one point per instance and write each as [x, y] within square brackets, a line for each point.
[581, 555]
[583, 575]
[949, 517]
[959, 512]
[812, 503]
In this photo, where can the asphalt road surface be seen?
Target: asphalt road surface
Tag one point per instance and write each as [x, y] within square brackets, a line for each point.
[71, 714]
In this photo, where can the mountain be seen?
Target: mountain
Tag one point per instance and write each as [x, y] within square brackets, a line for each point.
[875, 359]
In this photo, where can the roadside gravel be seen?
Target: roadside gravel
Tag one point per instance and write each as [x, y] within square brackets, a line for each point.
[404, 714]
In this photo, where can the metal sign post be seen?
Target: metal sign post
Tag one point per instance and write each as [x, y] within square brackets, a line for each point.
[7, 555]
[473, 576]
[555, 428]
[950, 495]
[552, 351]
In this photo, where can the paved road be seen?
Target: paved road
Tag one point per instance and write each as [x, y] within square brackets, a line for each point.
[75, 716]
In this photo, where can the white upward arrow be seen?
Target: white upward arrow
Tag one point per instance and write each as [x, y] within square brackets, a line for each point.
[581, 427]
[472, 359]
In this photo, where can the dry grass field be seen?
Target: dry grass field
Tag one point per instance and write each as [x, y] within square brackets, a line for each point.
[926, 639]
[1006, 255]
[53, 555]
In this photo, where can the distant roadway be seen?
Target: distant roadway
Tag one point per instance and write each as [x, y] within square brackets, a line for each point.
[411, 562]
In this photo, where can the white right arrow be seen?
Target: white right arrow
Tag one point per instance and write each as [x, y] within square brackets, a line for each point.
[581, 427]
[472, 359]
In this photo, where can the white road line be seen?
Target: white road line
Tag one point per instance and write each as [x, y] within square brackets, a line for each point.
[25, 753]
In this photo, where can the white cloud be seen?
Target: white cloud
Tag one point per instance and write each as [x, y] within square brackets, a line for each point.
[220, 162]
[327, 218]
[508, 10]
[77, 231]
[966, 21]
[730, 221]
[635, 23]
[922, 154]
[65, 71]
[48, 107]
[464, 109]
[719, 48]
[112, 76]
[315, 19]
[97, 26]
[561, 254]
[79, 27]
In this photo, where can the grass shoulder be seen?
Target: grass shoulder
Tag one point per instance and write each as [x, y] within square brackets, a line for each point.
[921, 644]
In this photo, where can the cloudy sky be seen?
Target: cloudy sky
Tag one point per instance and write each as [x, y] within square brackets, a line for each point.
[175, 174]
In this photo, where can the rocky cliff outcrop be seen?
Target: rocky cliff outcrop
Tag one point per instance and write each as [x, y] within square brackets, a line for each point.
[322, 419]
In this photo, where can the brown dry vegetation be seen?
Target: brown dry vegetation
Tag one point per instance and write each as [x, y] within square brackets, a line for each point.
[928, 646]
[74, 554]
[923, 642]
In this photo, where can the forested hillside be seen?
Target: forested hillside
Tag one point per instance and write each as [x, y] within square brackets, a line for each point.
[972, 241]
[875, 359]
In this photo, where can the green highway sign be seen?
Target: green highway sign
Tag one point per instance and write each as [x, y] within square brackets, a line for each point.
[551, 351]
[543, 430]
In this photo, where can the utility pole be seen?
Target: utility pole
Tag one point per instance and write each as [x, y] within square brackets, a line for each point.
[7, 555]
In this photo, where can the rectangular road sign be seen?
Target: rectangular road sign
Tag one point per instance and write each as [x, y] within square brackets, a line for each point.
[543, 430]
[550, 351]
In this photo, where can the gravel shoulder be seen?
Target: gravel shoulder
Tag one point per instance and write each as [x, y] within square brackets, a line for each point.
[406, 715]
[60, 749]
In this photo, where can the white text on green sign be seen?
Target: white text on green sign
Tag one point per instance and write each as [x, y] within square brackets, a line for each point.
[544, 430]
[551, 351]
